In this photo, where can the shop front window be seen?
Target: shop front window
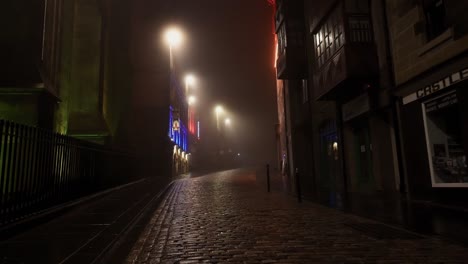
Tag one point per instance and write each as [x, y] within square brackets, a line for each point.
[446, 150]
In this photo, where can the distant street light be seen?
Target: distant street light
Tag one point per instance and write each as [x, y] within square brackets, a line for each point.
[219, 109]
[227, 122]
[189, 81]
[192, 100]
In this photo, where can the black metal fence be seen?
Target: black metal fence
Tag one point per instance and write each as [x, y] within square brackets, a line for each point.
[40, 169]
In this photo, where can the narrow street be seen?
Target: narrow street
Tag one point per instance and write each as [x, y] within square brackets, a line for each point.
[229, 217]
[143, 131]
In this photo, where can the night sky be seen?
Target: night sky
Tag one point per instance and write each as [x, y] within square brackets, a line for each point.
[229, 46]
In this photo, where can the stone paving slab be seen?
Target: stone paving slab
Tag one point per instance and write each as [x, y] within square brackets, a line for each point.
[83, 234]
[227, 217]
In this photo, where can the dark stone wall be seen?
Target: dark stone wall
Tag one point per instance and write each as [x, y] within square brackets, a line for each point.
[21, 41]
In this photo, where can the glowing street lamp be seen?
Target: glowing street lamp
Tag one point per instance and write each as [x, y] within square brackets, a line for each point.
[173, 37]
[192, 100]
[189, 81]
[219, 109]
[227, 122]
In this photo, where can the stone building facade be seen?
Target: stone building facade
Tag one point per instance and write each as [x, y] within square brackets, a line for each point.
[341, 110]
[94, 70]
[382, 104]
[429, 49]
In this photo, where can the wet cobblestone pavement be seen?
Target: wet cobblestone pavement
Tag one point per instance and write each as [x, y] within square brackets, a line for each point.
[227, 217]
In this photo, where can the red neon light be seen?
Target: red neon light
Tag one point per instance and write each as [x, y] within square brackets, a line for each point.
[273, 4]
[191, 121]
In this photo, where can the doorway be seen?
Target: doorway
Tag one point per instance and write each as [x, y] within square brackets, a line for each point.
[363, 154]
[330, 164]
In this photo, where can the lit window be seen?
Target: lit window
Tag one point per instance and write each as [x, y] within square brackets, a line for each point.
[329, 39]
[281, 39]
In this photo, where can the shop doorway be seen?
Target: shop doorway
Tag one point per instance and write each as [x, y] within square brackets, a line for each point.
[363, 156]
[330, 168]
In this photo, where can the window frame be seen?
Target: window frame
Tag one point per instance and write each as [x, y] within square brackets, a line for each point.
[432, 29]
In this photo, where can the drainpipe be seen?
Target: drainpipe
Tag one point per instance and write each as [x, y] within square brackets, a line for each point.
[341, 141]
[404, 187]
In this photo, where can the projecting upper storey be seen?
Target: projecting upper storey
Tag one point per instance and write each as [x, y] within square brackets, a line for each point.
[343, 45]
[290, 29]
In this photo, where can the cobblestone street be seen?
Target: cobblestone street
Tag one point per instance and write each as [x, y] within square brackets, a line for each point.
[228, 217]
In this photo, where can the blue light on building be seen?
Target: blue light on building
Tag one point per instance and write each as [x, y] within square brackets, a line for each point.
[179, 137]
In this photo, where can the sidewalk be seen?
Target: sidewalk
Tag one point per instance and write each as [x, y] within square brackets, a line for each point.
[85, 232]
[422, 216]
[227, 217]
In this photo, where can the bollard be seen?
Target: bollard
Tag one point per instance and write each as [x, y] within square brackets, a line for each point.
[298, 187]
[268, 177]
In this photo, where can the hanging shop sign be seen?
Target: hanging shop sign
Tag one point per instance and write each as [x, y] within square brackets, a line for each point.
[437, 86]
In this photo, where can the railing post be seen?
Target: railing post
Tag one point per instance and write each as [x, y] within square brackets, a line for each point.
[298, 186]
[268, 176]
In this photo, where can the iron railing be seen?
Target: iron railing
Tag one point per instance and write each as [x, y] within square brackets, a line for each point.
[40, 169]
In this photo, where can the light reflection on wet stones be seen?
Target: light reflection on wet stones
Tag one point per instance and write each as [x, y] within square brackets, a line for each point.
[226, 217]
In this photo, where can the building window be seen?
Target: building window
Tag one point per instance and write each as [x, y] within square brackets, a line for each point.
[360, 29]
[329, 39]
[445, 147]
[281, 39]
[436, 22]
[295, 33]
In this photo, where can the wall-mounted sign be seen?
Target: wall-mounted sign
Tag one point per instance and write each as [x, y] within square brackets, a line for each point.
[437, 86]
[176, 125]
[356, 107]
[441, 102]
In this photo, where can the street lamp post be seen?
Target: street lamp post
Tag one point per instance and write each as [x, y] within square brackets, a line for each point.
[218, 111]
[173, 38]
[225, 138]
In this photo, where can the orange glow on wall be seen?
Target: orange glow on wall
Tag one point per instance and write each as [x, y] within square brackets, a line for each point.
[273, 4]
[276, 50]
